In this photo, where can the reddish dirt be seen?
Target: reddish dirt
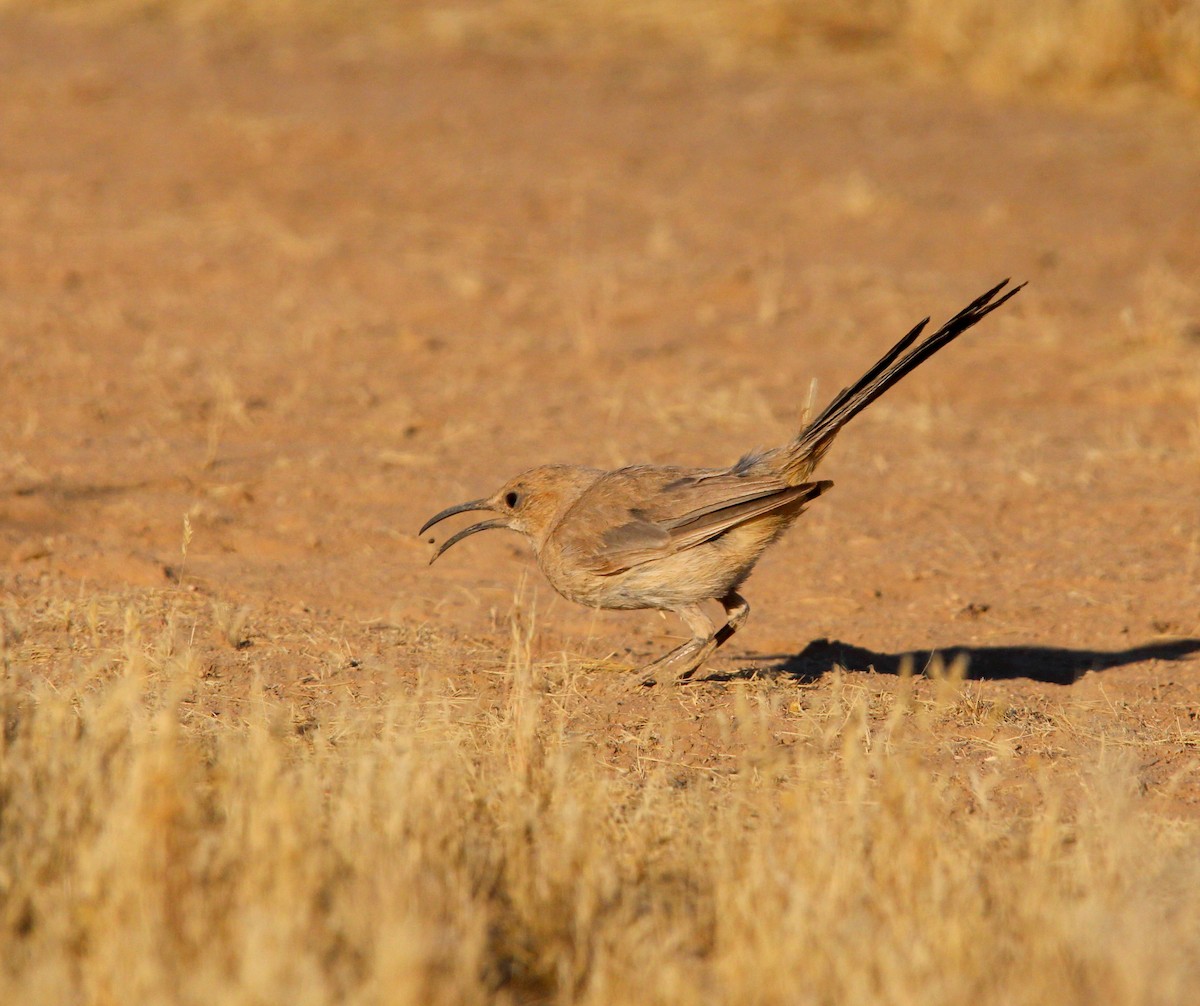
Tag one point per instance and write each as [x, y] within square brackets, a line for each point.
[310, 293]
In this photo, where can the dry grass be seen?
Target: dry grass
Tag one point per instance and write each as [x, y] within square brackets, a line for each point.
[193, 811]
[1059, 46]
[422, 847]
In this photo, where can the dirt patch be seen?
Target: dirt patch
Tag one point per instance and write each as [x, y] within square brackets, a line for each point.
[309, 294]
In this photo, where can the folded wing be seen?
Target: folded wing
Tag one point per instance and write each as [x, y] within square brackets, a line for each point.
[688, 509]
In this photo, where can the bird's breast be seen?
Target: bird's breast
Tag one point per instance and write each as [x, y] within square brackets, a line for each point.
[709, 570]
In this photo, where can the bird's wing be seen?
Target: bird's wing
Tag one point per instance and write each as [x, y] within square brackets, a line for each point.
[678, 513]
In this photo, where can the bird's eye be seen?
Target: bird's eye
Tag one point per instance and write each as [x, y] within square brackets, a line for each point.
[511, 500]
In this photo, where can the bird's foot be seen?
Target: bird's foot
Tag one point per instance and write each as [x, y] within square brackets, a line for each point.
[676, 666]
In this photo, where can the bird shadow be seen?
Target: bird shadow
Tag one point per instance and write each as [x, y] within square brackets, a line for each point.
[1050, 664]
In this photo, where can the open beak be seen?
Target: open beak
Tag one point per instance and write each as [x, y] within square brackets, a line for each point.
[450, 511]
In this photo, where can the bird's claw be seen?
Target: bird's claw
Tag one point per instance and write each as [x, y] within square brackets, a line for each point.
[687, 657]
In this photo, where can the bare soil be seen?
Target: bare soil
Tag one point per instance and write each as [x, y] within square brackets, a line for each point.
[308, 292]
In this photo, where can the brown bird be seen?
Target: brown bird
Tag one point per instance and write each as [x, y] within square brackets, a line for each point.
[671, 538]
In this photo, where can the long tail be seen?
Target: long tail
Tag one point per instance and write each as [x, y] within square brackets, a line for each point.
[811, 443]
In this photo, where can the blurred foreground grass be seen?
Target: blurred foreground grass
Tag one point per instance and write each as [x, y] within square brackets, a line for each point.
[1076, 47]
[426, 847]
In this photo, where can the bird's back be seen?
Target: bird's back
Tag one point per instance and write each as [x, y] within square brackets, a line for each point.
[658, 537]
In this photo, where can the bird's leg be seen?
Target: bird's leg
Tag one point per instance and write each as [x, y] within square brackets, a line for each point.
[737, 609]
[689, 656]
[684, 654]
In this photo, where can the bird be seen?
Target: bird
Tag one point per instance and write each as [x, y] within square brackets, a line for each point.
[672, 538]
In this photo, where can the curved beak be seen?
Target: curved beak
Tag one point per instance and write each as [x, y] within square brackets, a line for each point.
[487, 525]
[450, 511]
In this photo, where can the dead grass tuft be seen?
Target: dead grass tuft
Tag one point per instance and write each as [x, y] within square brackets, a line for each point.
[420, 848]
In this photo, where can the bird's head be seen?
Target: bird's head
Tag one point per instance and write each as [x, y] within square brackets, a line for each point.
[530, 503]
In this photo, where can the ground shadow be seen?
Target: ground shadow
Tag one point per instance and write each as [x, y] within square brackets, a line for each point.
[1051, 664]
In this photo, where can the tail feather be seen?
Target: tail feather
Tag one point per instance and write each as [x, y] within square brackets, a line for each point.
[812, 442]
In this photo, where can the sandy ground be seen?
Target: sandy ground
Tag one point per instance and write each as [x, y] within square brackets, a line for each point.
[309, 293]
